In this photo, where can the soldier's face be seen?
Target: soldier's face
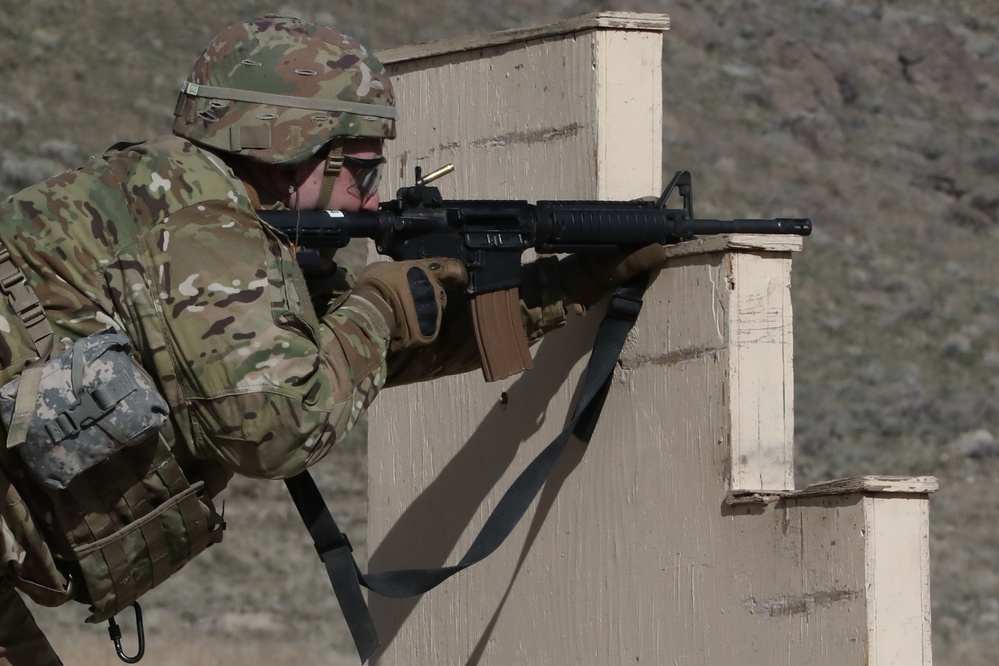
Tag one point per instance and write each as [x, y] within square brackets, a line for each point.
[347, 195]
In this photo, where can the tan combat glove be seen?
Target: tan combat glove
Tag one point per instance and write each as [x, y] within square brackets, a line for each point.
[588, 277]
[411, 296]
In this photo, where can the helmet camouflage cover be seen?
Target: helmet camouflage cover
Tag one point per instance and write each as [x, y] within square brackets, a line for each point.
[277, 89]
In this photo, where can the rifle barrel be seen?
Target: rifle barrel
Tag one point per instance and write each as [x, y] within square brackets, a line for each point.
[798, 226]
[603, 225]
[556, 228]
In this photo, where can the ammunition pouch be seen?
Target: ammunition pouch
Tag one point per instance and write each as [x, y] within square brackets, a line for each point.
[85, 452]
[80, 408]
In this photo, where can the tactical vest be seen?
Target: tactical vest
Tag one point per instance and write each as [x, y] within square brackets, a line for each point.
[131, 518]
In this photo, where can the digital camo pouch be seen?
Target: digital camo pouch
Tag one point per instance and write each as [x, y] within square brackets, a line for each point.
[79, 408]
[110, 495]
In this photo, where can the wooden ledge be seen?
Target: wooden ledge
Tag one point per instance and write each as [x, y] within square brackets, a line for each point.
[598, 21]
[869, 485]
[748, 242]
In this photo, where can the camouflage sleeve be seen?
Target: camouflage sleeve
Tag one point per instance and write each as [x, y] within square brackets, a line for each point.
[541, 310]
[261, 384]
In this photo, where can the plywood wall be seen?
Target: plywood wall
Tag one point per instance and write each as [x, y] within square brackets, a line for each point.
[676, 537]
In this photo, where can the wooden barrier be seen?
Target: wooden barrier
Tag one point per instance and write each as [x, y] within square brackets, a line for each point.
[677, 536]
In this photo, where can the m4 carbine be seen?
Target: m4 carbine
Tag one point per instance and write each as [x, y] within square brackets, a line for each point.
[489, 237]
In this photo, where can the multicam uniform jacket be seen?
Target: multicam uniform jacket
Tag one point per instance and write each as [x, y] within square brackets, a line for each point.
[160, 241]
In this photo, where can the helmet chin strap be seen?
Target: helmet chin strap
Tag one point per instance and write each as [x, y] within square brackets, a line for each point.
[332, 169]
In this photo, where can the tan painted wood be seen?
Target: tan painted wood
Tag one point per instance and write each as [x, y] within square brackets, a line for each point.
[641, 549]
[761, 242]
[500, 113]
[760, 370]
[912, 485]
[655, 23]
[898, 601]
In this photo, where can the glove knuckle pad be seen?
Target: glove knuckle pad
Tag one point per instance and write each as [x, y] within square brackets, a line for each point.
[424, 294]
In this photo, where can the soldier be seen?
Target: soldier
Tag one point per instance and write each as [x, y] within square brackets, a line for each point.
[160, 241]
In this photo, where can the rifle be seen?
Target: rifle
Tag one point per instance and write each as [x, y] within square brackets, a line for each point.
[489, 237]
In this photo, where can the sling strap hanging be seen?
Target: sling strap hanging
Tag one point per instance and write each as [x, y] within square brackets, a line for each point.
[334, 547]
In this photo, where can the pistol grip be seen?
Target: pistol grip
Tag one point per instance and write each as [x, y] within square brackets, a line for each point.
[500, 334]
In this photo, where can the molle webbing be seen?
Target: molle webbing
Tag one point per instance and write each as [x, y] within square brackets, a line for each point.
[24, 303]
[131, 531]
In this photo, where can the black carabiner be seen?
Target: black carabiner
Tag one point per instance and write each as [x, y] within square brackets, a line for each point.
[115, 633]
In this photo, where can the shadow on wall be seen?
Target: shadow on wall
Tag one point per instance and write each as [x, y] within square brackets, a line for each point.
[451, 501]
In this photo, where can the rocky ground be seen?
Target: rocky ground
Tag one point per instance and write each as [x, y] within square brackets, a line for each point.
[878, 120]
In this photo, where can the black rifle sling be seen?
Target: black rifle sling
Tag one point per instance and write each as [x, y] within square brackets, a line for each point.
[337, 555]
[335, 550]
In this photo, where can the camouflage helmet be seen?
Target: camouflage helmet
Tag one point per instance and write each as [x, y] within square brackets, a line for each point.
[277, 89]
